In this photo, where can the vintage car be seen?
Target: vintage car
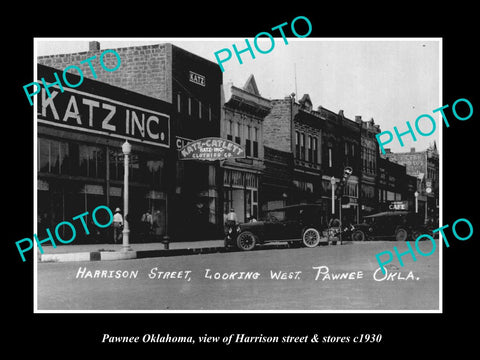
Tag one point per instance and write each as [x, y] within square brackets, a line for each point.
[399, 225]
[296, 224]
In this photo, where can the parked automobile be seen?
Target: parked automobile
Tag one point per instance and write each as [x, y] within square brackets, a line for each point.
[297, 224]
[400, 225]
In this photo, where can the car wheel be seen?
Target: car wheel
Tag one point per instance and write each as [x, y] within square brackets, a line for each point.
[358, 235]
[401, 235]
[246, 241]
[311, 237]
[416, 234]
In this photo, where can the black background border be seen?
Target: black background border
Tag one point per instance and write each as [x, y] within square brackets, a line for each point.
[406, 334]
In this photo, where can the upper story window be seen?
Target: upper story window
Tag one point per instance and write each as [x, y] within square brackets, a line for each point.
[53, 156]
[297, 144]
[310, 149]
[302, 146]
[237, 133]
[230, 130]
[248, 147]
[255, 142]
[179, 102]
[91, 161]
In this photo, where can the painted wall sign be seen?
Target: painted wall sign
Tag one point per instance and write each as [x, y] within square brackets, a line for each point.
[211, 149]
[197, 78]
[79, 110]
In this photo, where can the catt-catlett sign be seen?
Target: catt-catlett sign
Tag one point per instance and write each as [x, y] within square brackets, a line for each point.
[211, 149]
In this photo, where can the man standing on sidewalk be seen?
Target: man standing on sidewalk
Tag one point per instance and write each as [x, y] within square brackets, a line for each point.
[117, 226]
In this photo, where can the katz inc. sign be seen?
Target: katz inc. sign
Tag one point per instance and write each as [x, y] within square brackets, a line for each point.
[77, 110]
[211, 149]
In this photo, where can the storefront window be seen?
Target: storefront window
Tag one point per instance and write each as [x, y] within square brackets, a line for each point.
[368, 192]
[152, 171]
[390, 196]
[116, 165]
[53, 156]
[92, 161]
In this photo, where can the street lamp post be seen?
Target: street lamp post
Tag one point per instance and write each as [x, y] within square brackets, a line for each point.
[126, 149]
[332, 181]
[416, 202]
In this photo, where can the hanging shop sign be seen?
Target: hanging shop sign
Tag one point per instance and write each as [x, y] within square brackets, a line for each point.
[211, 149]
[398, 205]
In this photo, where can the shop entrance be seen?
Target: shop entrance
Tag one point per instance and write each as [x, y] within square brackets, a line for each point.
[241, 194]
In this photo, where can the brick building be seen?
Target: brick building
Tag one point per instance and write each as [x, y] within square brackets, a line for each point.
[369, 167]
[322, 144]
[424, 166]
[341, 148]
[243, 112]
[190, 203]
[79, 157]
[396, 188]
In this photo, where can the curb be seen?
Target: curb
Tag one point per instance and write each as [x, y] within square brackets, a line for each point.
[88, 256]
[141, 254]
[125, 255]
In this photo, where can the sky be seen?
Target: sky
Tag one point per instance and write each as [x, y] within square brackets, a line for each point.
[390, 80]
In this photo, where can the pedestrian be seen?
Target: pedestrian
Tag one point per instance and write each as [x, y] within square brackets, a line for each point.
[251, 218]
[117, 226]
[231, 217]
[147, 223]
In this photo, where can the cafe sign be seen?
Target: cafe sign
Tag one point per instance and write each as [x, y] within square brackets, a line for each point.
[211, 149]
[398, 205]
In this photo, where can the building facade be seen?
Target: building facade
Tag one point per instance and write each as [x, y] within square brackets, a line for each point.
[341, 149]
[369, 167]
[243, 112]
[396, 189]
[192, 86]
[322, 144]
[80, 164]
[424, 166]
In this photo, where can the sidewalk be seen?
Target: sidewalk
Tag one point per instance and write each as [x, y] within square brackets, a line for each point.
[97, 252]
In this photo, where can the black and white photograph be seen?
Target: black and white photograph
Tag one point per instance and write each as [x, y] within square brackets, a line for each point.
[171, 184]
[217, 180]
